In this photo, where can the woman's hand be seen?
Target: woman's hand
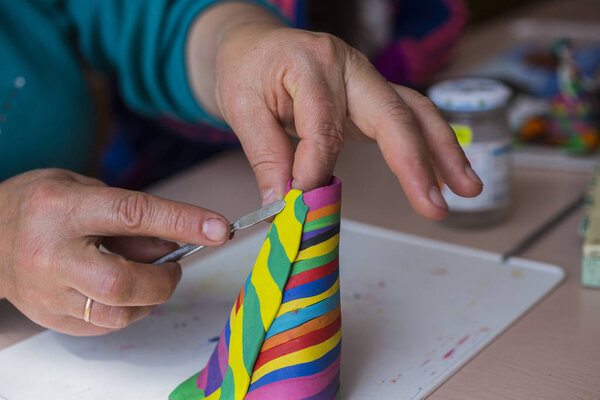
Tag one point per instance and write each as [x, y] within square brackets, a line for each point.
[51, 224]
[272, 81]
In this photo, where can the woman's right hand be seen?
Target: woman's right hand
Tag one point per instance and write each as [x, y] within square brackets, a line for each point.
[51, 225]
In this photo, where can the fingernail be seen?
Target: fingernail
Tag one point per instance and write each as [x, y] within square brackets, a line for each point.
[436, 197]
[215, 229]
[268, 196]
[295, 184]
[472, 174]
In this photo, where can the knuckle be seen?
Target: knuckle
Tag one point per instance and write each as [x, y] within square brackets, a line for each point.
[51, 173]
[357, 62]
[329, 137]
[357, 57]
[182, 223]
[44, 196]
[124, 317]
[131, 210]
[395, 112]
[265, 165]
[163, 294]
[116, 286]
[326, 47]
[425, 103]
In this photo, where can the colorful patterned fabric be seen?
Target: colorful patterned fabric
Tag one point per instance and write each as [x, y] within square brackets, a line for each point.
[282, 339]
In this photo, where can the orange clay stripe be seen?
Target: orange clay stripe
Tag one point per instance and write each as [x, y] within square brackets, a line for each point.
[323, 212]
[308, 340]
[303, 329]
[240, 299]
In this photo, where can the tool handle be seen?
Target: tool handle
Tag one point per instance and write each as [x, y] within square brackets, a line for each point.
[179, 254]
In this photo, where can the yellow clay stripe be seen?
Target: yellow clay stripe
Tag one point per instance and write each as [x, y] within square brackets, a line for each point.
[214, 395]
[288, 226]
[236, 361]
[299, 357]
[266, 289]
[308, 301]
[320, 249]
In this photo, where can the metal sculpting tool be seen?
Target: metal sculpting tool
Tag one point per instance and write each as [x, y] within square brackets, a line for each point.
[544, 228]
[244, 222]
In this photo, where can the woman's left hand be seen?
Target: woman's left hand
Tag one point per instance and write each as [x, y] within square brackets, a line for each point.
[273, 81]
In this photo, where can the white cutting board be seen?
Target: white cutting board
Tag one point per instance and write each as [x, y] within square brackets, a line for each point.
[414, 311]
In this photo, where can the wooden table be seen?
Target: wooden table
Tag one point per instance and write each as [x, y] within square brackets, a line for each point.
[553, 352]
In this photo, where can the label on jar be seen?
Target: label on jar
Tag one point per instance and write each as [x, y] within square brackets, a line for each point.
[491, 161]
[464, 134]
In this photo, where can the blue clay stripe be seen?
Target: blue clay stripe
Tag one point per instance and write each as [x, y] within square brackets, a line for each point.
[311, 288]
[227, 331]
[296, 318]
[299, 370]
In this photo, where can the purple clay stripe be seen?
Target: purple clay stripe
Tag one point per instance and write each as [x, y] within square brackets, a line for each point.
[215, 379]
[311, 234]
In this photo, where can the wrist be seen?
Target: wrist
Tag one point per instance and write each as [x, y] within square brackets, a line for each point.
[208, 33]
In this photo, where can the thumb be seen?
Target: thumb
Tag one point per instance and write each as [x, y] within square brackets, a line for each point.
[270, 152]
[106, 211]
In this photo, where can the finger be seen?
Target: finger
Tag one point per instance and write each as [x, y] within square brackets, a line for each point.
[105, 211]
[268, 149]
[140, 249]
[78, 327]
[111, 317]
[380, 113]
[64, 323]
[319, 114]
[441, 142]
[114, 281]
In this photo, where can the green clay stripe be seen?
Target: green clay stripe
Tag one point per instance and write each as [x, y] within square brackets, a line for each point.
[300, 210]
[253, 330]
[277, 259]
[322, 222]
[305, 265]
[188, 390]
[228, 391]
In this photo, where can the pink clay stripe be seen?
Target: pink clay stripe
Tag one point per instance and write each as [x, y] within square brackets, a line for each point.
[201, 381]
[322, 196]
[296, 388]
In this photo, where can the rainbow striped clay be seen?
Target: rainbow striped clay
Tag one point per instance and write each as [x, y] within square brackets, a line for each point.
[282, 339]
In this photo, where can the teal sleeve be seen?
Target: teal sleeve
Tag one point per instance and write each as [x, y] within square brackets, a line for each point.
[141, 43]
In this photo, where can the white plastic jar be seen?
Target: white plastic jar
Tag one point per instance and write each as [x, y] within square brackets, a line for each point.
[476, 108]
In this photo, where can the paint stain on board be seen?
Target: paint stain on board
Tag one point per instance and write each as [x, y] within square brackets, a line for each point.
[381, 284]
[516, 274]
[127, 347]
[213, 339]
[393, 380]
[449, 354]
[461, 341]
[438, 271]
